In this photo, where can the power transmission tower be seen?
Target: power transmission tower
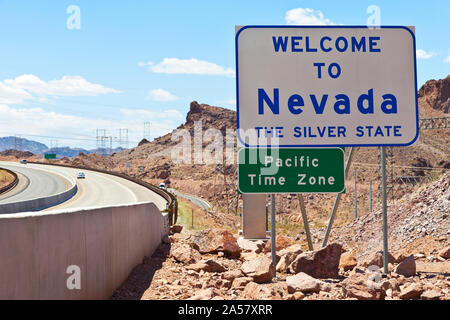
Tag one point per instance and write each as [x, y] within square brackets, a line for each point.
[54, 146]
[123, 138]
[147, 131]
[101, 141]
[18, 143]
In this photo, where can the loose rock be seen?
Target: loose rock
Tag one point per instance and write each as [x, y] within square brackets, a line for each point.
[302, 282]
[323, 263]
[407, 267]
[347, 261]
[260, 269]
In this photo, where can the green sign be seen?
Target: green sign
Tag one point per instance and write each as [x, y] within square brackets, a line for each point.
[50, 156]
[291, 170]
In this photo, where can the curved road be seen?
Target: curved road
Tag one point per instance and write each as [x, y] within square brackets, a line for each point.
[97, 189]
[196, 200]
[33, 183]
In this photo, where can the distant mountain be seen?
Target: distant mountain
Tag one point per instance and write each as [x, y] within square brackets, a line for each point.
[15, 143]
[8, 143]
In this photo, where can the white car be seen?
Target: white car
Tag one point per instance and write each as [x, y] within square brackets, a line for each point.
[162, 185]
[81, 175]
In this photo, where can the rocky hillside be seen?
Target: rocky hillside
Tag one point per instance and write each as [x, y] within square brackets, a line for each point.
[425, 161]
[210, 116]
[434, 97]
[213, 264]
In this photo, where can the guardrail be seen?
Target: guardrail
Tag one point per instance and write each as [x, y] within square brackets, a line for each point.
[170, 198]
[12, 184]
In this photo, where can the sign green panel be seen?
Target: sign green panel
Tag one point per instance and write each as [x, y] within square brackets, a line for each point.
[291, 170]
[50, 156]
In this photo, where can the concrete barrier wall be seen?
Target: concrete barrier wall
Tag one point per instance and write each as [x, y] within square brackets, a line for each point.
[40, 203]
[105, 243]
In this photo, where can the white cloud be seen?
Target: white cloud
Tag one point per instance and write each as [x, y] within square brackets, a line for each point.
[422, 54]
[188, 66]
[32, 122]
[170, 114]
[447, 59]
[161, 95]
[306, 16]
[29, 86]
[231, 101]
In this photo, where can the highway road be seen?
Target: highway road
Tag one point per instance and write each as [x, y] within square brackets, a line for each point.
[33, 183]
[196, 200]
[97, 189]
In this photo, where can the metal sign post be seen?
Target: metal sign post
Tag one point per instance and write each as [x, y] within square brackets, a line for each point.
[356, 197]
[273, 234]
[305, 221]
[336, 201]
[383, 190]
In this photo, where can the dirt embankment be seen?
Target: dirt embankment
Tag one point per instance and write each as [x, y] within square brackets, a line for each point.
[5, 178]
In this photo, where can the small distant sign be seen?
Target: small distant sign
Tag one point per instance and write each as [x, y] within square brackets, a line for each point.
[127, 164]
[50, 156]
[141, 169]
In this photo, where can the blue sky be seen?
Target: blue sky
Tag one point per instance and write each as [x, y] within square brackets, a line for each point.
[133, 61]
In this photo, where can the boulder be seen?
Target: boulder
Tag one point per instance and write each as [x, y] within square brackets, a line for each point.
[322, 263]
[176, 228]
[255, 291]
[246, 256]
[445, 253]
[347, 261]
[377, 260]
[281, 242]
[296, 248]
[241, 282]
[358, 286]
[411, 292]
[185, 254]
[431, 295]
[407, 267]
[197, 267]
[260, 269]
[208, 266]
[213, 241]
[249, 245]
[214, 266]
[303, 283]
[285, 261]
[232, 274]
[207, 294]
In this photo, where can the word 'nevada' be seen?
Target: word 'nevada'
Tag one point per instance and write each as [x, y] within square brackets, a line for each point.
[326, 44]
[342, 105]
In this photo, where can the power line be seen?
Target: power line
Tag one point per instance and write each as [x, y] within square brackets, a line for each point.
[359, 164]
